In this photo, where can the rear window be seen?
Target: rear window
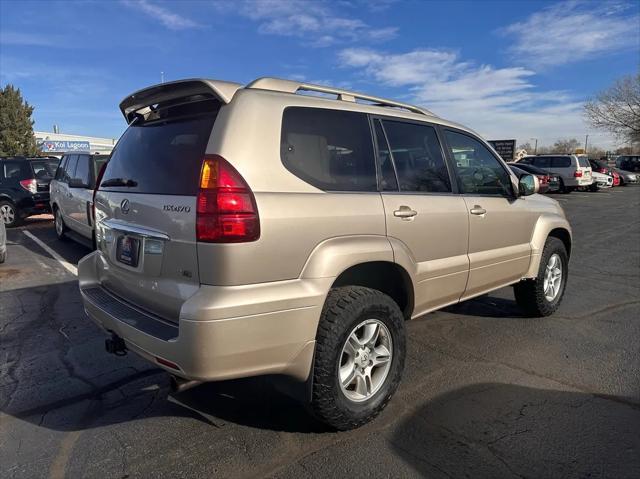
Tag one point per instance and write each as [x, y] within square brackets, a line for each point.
[44, 169]
[329, 149]
[584, 162]
[161, 157]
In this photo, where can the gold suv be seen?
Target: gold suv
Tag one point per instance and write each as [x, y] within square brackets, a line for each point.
[291, 229]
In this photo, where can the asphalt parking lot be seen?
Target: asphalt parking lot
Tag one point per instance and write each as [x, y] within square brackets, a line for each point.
[486, 392]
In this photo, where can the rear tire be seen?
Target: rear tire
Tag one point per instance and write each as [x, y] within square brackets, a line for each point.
[564, 189]
[356, 369]
[542, 295]
[58, 222]
[3, 257]
[10, 214]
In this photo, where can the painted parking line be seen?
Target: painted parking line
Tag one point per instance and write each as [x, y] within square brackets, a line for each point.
[66, 265]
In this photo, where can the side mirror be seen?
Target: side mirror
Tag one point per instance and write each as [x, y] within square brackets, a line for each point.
[528, 185]
[77, 183]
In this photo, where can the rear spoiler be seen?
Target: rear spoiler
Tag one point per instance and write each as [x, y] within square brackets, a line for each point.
[138, 102]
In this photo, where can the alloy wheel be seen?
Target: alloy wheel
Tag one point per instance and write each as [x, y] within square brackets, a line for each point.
[8, 214]
[365, 360]
[552, 277]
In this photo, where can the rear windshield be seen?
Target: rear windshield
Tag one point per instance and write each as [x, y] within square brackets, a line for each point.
[162, 157]
[584, 162]
[44, 169]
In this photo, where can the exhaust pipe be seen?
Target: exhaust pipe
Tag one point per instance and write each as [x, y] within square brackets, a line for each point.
[115, 345]
[179, 385]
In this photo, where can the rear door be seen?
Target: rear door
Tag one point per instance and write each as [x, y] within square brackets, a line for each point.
[425, 216]
[146, 207]
[80, 198]
[65, 202]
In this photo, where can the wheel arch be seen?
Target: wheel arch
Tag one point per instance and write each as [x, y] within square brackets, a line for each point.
[554, 226]
[362, 260]
[384, 276]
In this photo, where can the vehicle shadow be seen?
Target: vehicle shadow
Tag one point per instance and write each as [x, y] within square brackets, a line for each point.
[506, 430]
[487, 306]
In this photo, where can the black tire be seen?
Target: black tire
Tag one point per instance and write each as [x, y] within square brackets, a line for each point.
[9, 209]
[61, 228]
[530, 294]
[3, 257]
[593, 187]
[565, 189]
[345, 308]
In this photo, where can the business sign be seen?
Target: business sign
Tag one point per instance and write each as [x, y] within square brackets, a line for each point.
[505, 148]
[49, 146]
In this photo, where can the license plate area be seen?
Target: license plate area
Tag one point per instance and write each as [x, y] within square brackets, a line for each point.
[128, 250]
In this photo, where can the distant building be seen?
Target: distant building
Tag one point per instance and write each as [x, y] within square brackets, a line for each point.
[57, 143]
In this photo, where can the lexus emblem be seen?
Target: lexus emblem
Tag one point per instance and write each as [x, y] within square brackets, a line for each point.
[124, 206]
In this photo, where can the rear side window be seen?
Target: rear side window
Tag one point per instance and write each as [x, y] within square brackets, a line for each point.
[543, 162]
[13, 169]
[82, 170]
[329, 149]
[560, 162]
[70, 168]
[417, 156]
[61, 167]
[161, 157]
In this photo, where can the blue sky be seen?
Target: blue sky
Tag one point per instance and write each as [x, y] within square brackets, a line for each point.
[507, 69]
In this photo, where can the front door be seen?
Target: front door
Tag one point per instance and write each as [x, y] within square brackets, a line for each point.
[427, 223]
[500, 224]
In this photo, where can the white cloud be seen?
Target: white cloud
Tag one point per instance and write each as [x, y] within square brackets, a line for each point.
[574, 30]
[497, 102]
[313, 21]
[169, 19]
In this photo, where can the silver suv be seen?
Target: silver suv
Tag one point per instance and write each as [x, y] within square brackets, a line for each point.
[574, 171]
[258, 230]
[71, 194]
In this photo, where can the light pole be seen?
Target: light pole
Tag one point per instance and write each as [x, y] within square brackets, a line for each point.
[586, 139]
[535, 148]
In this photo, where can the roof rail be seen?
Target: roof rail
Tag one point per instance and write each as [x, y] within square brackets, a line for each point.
[290, 86]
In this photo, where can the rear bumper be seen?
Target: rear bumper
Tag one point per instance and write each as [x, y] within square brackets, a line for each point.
[223, 332]
[34, 204]
[576, 182]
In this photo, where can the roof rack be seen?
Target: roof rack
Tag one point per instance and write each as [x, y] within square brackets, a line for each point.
[290, 86]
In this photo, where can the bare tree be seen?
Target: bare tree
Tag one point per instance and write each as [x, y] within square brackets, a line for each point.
[617, 109]
[526, 146]
[565, 146]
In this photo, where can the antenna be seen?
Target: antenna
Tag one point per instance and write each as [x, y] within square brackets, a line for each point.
[161, 77]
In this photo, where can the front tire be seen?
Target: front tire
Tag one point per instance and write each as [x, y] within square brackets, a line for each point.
[541, 296]
[359, 358]
[58, 222]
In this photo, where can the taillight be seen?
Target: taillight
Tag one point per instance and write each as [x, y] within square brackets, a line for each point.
[95, 191]
[543, 179]
[577, 174]
[226, 209]
[30, 185]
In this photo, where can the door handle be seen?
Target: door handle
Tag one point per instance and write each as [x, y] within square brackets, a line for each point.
[404, 212]
[478, 210]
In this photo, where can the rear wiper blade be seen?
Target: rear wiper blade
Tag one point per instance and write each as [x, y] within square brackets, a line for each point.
[119, 182]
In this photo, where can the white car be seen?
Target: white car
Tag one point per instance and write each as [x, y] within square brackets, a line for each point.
[600, 180]
[3, 242]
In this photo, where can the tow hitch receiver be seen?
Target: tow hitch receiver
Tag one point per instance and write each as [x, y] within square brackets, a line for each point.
[115, 345]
